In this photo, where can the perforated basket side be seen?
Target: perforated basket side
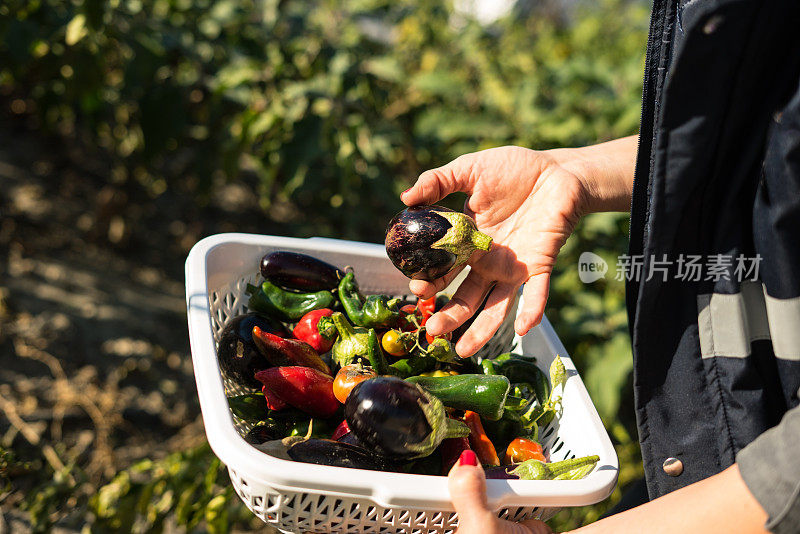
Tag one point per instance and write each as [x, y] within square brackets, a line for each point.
[295, 511]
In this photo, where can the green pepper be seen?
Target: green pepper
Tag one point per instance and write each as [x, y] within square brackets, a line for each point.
[483, 394]
[286, 305]
[353, 342]
[251, 407]
[320, 428]
[376, 311]
[519, 370]
[267, 430]
[375, 354]
[412, 366]
[505, 430]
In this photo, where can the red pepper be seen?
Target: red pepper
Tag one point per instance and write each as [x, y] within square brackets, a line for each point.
[302, 387]
[478, 439]
[281, 352]
[341, 430]
[317, 329]
[451, 451]
[426, 307]
[273, 402]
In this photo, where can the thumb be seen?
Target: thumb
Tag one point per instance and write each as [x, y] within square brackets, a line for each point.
[435, 184]
[467, 484]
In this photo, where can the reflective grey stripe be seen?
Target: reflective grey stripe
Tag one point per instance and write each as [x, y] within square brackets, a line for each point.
[784, 325]
[728, 324]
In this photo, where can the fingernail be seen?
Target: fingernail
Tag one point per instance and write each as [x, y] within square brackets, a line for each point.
[467, 458]
[406, 191]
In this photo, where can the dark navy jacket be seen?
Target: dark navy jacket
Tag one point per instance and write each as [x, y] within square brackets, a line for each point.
[716, 360]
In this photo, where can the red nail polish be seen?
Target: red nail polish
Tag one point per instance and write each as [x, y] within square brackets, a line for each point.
[468, 458]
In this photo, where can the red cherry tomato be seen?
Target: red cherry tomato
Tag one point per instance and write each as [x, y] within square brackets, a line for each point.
[448, 336]
[410, 318]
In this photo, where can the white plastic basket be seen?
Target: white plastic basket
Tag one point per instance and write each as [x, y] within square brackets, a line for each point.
[299, 497]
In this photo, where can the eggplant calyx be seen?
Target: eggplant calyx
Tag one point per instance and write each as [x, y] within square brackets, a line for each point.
[462, 238]
[441, 425]
[456, 429]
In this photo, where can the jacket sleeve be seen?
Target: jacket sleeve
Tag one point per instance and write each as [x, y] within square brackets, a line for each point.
[769, 465]
[771, 471]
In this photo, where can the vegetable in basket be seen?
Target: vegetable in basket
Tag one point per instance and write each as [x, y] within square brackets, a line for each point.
[299, 272]
[397, 343]
[398, 419]
[280, 351]
[237, 353]
[373, 311]
[427, 242]
[305, 388]
[523, 449]
[317, 329]
[441, 349]
[356, 343]
[484, 394]
[347, 378]
[519, 370]
[251, 407]
[284, 305]
[451, 450]
[412, 366]
[339, 454]
[571, 469]
[479, 441]
[267, 430]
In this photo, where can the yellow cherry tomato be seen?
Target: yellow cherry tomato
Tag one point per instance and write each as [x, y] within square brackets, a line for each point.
[392, 343]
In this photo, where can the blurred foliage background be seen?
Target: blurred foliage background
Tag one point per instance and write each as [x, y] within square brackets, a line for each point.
[323, 111]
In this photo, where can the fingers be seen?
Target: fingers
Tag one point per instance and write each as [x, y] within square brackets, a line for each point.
[435, 184]
[467, 485]
[425, 290]
[465, 302]
[534, 297]
[488, 321]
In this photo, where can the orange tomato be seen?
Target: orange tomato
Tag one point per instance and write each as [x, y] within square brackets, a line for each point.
[347, 378]
[522, 449]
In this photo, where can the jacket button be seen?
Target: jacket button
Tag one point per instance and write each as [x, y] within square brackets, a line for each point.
[673, 467]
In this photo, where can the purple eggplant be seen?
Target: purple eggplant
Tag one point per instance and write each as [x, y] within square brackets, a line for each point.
[237, 353]
[339, 454]
[500, 472]
[398, 419]
[299, 272]
[427, 242]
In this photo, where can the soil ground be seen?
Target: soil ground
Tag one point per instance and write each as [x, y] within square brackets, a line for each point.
[95, 364]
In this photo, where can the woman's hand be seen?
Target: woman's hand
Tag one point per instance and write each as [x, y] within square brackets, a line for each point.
[467, 484]
[529, 203]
